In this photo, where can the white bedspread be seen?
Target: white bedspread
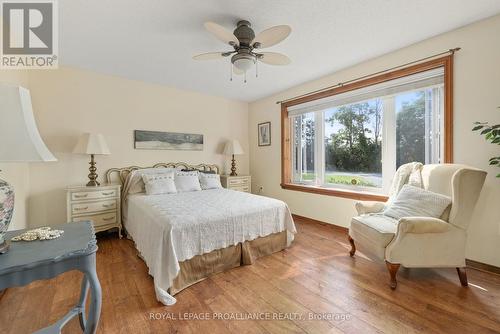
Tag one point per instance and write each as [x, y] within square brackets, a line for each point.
[172, 228]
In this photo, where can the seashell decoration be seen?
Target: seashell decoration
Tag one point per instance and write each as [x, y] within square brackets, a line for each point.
[42, 233]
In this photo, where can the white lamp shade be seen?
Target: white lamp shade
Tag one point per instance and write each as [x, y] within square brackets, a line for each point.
[20, 140]
[91, 143]
[233, 147]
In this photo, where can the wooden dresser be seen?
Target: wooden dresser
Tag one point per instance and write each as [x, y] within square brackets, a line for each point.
[239, 183]
[100, 204]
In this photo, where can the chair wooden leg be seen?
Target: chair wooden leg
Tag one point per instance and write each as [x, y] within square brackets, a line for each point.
[462, 275]
[393, 269]
[353, 246]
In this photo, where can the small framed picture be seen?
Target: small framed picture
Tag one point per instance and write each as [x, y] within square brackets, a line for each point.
[264, 133]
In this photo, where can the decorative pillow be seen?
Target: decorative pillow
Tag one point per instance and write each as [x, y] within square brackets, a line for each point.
[417, 202]
[187, 181]
[210, 181]
[137, 183]
[157, 184]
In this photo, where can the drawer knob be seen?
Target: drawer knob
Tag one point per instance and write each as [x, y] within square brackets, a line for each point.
[108, 193]
[79, 209]
[108, 205]
[81, 196]
[109, 218]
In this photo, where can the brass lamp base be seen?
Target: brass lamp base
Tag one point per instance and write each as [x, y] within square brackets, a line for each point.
[93, 175]
[233, 167]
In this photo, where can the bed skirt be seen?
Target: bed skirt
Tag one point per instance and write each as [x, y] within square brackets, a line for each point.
[202, 266]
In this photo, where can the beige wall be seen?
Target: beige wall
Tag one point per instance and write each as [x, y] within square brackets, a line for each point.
[476, 97]
[16, 173]
[68, 102]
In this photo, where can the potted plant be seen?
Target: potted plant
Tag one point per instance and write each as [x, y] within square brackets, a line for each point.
[491, 134]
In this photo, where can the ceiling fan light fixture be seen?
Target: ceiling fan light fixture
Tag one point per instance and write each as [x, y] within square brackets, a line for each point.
[243, 62]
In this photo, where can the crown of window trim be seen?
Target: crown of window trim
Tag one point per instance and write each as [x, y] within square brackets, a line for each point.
[445, 62]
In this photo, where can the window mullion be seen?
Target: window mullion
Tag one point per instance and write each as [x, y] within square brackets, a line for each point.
[388, 141]
[319, 164]
[439, 117]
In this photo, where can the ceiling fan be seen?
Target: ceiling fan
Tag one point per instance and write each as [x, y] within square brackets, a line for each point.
[246, 45]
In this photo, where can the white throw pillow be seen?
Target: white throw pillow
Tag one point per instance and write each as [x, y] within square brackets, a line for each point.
[187, 181]
[417, 202]
[157, 184]
[136, 183]
[210, 181]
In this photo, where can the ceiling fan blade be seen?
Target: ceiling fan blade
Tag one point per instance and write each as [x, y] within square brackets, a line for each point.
[274, 58]
[221, 33]
[237, 71]
[271, 36]
[210, 56]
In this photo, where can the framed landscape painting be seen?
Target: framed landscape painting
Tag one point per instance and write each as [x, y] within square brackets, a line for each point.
[157, 140]
[264, 134]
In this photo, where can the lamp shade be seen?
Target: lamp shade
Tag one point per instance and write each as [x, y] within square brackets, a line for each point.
[233, 147]
[20, 140]
[91, 143]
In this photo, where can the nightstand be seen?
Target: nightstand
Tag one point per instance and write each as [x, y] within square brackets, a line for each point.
[239, 183]
[100, 204]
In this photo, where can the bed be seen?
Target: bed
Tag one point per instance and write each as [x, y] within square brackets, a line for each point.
[185, 237]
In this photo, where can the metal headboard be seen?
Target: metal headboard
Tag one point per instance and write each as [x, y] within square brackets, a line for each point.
[119, 175]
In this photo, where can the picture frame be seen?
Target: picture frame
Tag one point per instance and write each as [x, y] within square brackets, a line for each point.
[264, 134]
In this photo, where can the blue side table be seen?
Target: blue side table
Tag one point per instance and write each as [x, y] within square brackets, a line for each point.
[26, 262]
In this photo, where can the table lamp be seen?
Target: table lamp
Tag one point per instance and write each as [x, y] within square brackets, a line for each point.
[20, 141]
[92, 144]
[233, 148]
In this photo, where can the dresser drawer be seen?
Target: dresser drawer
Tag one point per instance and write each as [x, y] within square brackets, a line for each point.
[82, 208]
[98, 220]
[83, 195]
[245, 189]
[238, 182]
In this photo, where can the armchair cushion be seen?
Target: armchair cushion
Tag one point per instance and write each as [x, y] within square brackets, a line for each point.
[416, 202]
[374, 231]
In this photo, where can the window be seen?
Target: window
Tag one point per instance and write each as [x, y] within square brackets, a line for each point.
[352, 141]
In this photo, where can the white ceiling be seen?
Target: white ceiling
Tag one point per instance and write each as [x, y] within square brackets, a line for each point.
[154, 40]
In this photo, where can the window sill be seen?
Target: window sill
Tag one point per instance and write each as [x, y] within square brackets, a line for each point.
[361, 196]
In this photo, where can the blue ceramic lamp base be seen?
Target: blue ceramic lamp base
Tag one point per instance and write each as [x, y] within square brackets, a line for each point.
[4, 247]
[6, 212]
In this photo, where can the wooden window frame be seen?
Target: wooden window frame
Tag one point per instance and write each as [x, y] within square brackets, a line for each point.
[286, 166]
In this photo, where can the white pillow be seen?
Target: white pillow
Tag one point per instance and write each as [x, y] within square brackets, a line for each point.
[210, 181]
[157, 184]
[417, 202]
[137, 183]
[187, 181]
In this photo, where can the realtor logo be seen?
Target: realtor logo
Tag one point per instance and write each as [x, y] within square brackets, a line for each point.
[29, 34]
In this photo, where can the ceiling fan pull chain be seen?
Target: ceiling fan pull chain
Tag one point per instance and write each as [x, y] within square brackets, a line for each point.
[245, 76]
[230, 71]
[256, 68]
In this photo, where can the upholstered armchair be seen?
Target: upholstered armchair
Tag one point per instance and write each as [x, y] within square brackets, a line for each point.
[422, 241]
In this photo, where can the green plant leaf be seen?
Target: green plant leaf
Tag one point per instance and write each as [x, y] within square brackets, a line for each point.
[485, 131]
[479, 127]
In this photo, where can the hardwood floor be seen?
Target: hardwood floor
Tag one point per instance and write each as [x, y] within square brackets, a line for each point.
[315, 277]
